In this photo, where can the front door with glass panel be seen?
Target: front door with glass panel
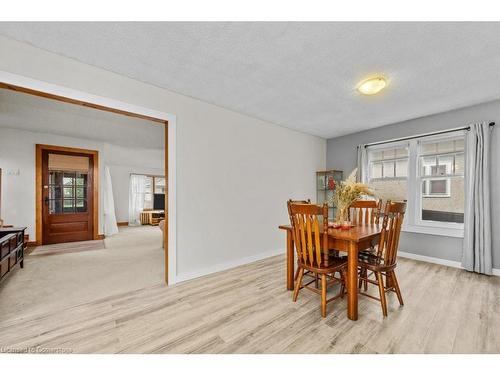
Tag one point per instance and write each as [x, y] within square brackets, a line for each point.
[67, 193]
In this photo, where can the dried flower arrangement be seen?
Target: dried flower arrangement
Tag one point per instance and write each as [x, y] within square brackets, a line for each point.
[346, 193]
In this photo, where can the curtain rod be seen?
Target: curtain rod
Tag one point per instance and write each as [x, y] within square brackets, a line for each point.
[421, 135]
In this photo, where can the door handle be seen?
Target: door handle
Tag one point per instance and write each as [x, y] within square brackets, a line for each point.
[46, 200]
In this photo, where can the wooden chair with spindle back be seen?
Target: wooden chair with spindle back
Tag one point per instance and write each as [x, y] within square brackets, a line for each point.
[291, 201]
[288, 204]
[365, 212]
[311, 244]
[383, 262]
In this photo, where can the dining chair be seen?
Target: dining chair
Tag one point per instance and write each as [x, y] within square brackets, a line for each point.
[383, 262]
[288, 204]
[291, 201]
[365, 211]
[311, 245]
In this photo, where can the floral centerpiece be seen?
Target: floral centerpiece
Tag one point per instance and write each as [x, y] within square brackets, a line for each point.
[346, 193]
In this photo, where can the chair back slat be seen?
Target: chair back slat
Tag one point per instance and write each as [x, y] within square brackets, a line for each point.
[291, 201]
[317, 238]
[310, 246]
[391, 229]
[365, 212]
[308, 239]
[302, 232]
[297, 240]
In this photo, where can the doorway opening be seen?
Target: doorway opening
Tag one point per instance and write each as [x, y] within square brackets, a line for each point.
[81, 200]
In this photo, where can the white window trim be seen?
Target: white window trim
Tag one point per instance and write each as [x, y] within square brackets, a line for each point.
[413, 222]
[434, 228]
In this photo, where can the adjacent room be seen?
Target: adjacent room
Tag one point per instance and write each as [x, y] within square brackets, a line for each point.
[87, 190]
[250, 187]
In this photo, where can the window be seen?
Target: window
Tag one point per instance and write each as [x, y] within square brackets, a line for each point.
[67, 192]
[146, 188]
[388, 171]
[442, 179]
[148, 193]
[428, 173]
[67, 188]
[436, 187]
[159, 185]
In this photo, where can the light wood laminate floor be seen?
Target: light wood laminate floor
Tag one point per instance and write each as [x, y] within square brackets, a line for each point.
[248, 310]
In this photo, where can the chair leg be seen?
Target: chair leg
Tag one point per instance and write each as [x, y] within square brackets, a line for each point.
[298, 284]
[323, 295]
[342, 287]
[396, 287]
[296, 273]
[365, 282]
[382, 293]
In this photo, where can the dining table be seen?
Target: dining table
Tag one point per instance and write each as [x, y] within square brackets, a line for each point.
[349, 241]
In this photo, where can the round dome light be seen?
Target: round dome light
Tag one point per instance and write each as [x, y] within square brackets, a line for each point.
[372, 86]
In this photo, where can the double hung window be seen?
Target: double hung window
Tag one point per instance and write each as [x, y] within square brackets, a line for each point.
[428, 173]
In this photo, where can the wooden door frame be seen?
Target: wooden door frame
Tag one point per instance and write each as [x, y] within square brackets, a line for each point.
[39, 149]
[43, 89]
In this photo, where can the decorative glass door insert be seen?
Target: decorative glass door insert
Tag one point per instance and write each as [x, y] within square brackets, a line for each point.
[67, 192]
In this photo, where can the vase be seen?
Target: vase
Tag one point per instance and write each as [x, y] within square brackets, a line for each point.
[342, 214]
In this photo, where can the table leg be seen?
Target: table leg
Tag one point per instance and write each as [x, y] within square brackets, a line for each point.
[352, 281]
[290, 261]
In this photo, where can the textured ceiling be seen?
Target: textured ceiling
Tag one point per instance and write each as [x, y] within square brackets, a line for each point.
[298, 75]
[27, 112]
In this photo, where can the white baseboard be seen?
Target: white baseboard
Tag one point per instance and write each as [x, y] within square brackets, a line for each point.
[226, 265]
[253, 258]
[443, 262]
[424, 258]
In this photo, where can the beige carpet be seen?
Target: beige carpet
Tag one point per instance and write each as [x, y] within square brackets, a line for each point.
[130, 260]
[66, 248]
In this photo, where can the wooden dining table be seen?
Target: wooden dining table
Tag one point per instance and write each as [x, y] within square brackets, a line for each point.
[349, 241]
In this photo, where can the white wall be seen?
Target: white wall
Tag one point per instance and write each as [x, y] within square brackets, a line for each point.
[17, 153]
[234, 172]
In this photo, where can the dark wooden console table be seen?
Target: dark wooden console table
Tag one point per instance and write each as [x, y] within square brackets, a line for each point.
[12, 246]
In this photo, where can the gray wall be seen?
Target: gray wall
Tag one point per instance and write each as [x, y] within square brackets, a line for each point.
[341, 154]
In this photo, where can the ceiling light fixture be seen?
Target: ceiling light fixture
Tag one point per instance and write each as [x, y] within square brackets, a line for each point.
[372, 86]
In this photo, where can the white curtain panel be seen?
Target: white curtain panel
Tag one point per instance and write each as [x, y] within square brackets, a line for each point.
[361, 174]
[137, 189]
[110, 226]
[477, 255]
